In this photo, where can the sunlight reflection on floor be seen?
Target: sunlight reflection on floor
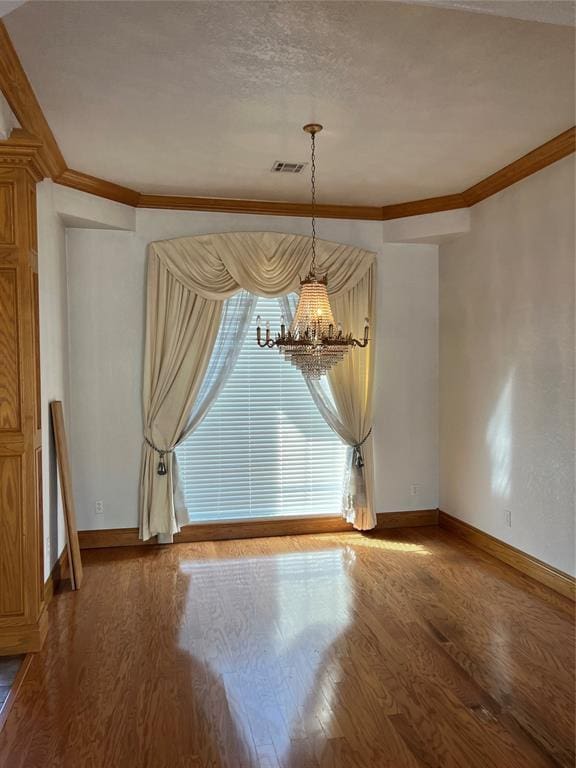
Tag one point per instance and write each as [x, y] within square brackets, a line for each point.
[355, 541]
[302, 611]
[393, 546]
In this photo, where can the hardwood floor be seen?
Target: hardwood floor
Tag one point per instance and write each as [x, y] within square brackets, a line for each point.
[403, 649]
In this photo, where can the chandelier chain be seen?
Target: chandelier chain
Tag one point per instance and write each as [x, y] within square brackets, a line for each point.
[314, 343]
[313, 186]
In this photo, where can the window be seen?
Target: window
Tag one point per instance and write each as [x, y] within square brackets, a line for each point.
[263, 449]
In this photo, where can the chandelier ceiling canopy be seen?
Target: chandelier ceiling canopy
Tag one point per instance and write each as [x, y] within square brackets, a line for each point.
[314, 343]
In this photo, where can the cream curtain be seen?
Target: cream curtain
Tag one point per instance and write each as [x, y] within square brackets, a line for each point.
[344, 399]
[351, 383]
[188, 281]
[236, 316]
[181, 328]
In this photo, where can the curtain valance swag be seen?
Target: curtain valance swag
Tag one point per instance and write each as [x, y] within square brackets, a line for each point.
[264, 263]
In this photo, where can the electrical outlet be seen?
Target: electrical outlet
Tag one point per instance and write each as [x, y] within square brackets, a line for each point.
[414, 489]
[99, 508]
[508, 517]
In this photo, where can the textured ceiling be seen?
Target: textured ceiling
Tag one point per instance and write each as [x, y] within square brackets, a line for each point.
[202, 97]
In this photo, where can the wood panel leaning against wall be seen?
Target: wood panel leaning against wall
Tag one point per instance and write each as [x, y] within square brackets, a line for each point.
[23, 620]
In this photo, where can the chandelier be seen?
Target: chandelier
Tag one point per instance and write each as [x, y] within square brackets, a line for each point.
[314, 343]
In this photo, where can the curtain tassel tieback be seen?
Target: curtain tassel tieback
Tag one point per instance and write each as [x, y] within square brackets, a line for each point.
[162, 470]
[357, 458]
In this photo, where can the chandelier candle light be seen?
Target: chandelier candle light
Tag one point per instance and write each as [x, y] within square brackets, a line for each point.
[312, 343]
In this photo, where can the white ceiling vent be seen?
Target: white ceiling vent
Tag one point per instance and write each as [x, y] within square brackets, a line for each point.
[281, 166]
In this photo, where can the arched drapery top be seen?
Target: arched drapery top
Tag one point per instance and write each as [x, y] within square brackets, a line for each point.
[189, 279]
[265, 263]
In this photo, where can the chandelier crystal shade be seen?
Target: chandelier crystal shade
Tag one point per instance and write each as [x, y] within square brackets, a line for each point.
[313, 310]
[314, 343]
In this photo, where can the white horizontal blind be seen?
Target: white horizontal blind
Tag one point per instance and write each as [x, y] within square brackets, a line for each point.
[263, 450]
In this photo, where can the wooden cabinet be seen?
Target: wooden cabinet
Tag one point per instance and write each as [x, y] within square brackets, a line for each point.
[22, 611]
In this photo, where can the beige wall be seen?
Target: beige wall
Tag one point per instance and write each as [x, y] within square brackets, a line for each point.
[507, 367]
[60, 209]
[53, 358]
[106, 306]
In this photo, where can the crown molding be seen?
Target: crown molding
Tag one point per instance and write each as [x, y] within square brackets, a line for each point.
[95, 186]
[546, 154]
[19, 94]
[419, 207]
[22, 100]
[557, 148]
[560, 146]
[262, 207]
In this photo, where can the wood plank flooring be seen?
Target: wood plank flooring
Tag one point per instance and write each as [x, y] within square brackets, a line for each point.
[404, 649]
